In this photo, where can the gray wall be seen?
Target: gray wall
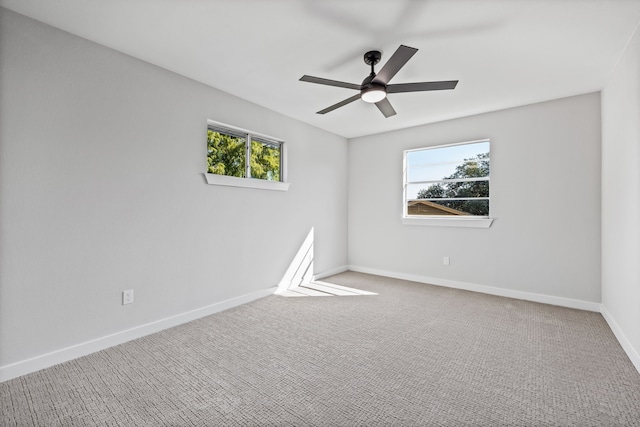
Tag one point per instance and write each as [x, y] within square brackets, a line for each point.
[101, 189]
[621, 198]
[545, 198]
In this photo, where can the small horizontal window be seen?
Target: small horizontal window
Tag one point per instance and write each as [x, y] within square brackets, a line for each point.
[244, 155]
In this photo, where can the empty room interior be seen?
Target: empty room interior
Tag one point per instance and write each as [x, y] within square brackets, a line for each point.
[389, 212]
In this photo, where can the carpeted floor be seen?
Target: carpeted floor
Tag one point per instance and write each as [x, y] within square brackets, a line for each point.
[412, 355]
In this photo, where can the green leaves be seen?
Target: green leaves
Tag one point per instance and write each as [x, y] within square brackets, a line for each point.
[265, 160]
[226, 155]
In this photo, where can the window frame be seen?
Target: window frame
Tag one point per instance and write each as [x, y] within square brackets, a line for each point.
[443, 220]
[247, 181]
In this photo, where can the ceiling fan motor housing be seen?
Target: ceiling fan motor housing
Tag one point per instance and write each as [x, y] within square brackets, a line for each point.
[372, 92]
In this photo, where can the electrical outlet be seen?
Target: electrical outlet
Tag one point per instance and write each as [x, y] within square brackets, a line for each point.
[445, 261]
[127, 297]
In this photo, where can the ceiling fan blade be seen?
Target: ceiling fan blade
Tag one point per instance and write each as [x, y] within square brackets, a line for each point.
[339, 104]
[393, 65]
[321, 81]
[420, 87]
[385, 108]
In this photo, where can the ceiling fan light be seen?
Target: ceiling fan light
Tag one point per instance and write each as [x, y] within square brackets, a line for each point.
[373, 94]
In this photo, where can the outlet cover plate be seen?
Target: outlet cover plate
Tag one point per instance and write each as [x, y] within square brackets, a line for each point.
[127, 297]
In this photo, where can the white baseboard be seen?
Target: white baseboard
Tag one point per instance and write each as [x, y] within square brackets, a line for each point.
[331, 272]
[528, 296]
[622, 338]
[33, 364]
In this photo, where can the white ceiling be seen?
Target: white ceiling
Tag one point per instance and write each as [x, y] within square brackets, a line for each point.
[504, 52]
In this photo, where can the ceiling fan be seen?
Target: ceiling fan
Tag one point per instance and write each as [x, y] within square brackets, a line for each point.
[375, 87]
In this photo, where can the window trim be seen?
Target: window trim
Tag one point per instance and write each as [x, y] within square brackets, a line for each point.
[248, 182]
[437, 220]
[234, 181]
[442, 221]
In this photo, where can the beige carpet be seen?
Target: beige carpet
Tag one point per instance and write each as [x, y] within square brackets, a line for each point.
[411, 355]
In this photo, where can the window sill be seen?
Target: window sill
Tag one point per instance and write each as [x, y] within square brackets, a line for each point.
[232, 181]
[449, 222]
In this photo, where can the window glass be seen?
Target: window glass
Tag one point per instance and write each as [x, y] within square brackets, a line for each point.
[434, 164]
[236, 153]
[226, 153]
[265, 159]
[448, 180]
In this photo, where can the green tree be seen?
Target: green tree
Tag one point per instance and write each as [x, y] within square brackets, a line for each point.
[435, 191]
[265, 161]
[475, 167]
[225, 154]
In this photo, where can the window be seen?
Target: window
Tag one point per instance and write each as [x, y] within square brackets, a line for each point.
[233, 155]
[447, 182]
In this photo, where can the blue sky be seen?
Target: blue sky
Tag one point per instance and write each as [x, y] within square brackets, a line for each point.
[436, 163]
